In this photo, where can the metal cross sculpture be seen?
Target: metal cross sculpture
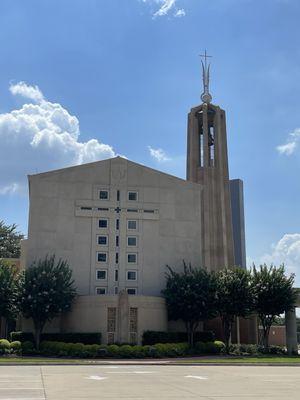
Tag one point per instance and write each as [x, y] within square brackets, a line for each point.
[205, 96]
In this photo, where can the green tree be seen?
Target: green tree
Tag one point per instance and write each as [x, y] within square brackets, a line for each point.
[48, 291]
[191, 297]
[9, 291]
[273, 295]
[10, 241]
[234, 297]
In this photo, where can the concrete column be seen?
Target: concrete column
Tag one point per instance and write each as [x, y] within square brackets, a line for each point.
[291, 332]
[123, 317]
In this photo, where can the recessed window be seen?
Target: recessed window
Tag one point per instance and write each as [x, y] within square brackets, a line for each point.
[117, 258]
[100, 274]
[103, 240]
[131, 291]
[132, 210]
[149, 211]
[103, 223]
[103, 194]
[100, 290]
[132, 225]
[103, 209]
[116, 290]
[117, 224]
[118, 195]
[102, 257]
[116, 275]
[131, 258]
[131, 241]
[131, 275]
[132, 196]
[86, 208]
[117, 241]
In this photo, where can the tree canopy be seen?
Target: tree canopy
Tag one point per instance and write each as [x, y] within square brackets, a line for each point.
[48, 291]
[273, 294]
[234, 293]
[10, 241]
[190, 296]
[9, 291]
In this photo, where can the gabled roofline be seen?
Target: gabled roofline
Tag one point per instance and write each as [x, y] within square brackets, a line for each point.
[94, 163]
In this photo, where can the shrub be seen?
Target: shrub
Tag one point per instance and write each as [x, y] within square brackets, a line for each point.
[85, 338]
[210, 347]
[16, 347]
[139, 351]
[27, 348]
[125, 351]
[112, 350]
[4, 346]
[154, 337]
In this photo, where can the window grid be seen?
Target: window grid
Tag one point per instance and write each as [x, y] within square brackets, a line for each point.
[101, 274]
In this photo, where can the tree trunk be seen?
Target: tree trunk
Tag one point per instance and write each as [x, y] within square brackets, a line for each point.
[190, 333]
[266, 331]
[227, 332]
[38, 328]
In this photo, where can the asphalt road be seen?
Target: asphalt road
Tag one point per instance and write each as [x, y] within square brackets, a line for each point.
[137, 382]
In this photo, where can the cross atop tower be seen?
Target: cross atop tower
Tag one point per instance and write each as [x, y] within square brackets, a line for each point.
[205, 96]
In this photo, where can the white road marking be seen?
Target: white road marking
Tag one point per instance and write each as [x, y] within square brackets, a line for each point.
[96, 377]
[130, 372]
[196, 377]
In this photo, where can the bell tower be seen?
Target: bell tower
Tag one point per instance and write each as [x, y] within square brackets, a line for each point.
[207, 164]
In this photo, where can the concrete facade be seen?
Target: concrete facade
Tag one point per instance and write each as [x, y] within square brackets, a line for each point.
[207, 164]
[118, 224]
[238, 222]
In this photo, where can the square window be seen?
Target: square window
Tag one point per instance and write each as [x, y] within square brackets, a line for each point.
[103, 194]
[102, 240]
[131, 258]
[103, 223]
[132, 225]
[131, 275]
[102, 257]
[101, 290]
[132, 196]
[131, 291]
[131, 241]
[101, 274]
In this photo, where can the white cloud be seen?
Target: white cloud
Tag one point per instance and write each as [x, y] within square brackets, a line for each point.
[10, 189]
[292, 143]
[287, 251]
[41, 136]
[158, 154]
[165, 7]
[27, 91]
[179, 13]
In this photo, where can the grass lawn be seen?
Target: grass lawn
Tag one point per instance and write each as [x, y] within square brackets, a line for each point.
[276, 360]
[244, 360]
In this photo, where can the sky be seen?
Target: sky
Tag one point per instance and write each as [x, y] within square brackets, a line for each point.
[84, 80]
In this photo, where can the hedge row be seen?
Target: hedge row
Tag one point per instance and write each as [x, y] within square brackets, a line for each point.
[85, 338]
[152, 337]
[7, 347]
[59, 349]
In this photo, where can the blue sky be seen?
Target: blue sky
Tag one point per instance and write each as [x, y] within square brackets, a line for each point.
[106, 77]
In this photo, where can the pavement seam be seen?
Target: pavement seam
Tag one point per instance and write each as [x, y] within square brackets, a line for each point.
[43, 382]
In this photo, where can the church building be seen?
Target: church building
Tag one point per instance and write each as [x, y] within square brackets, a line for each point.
[119, 223]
